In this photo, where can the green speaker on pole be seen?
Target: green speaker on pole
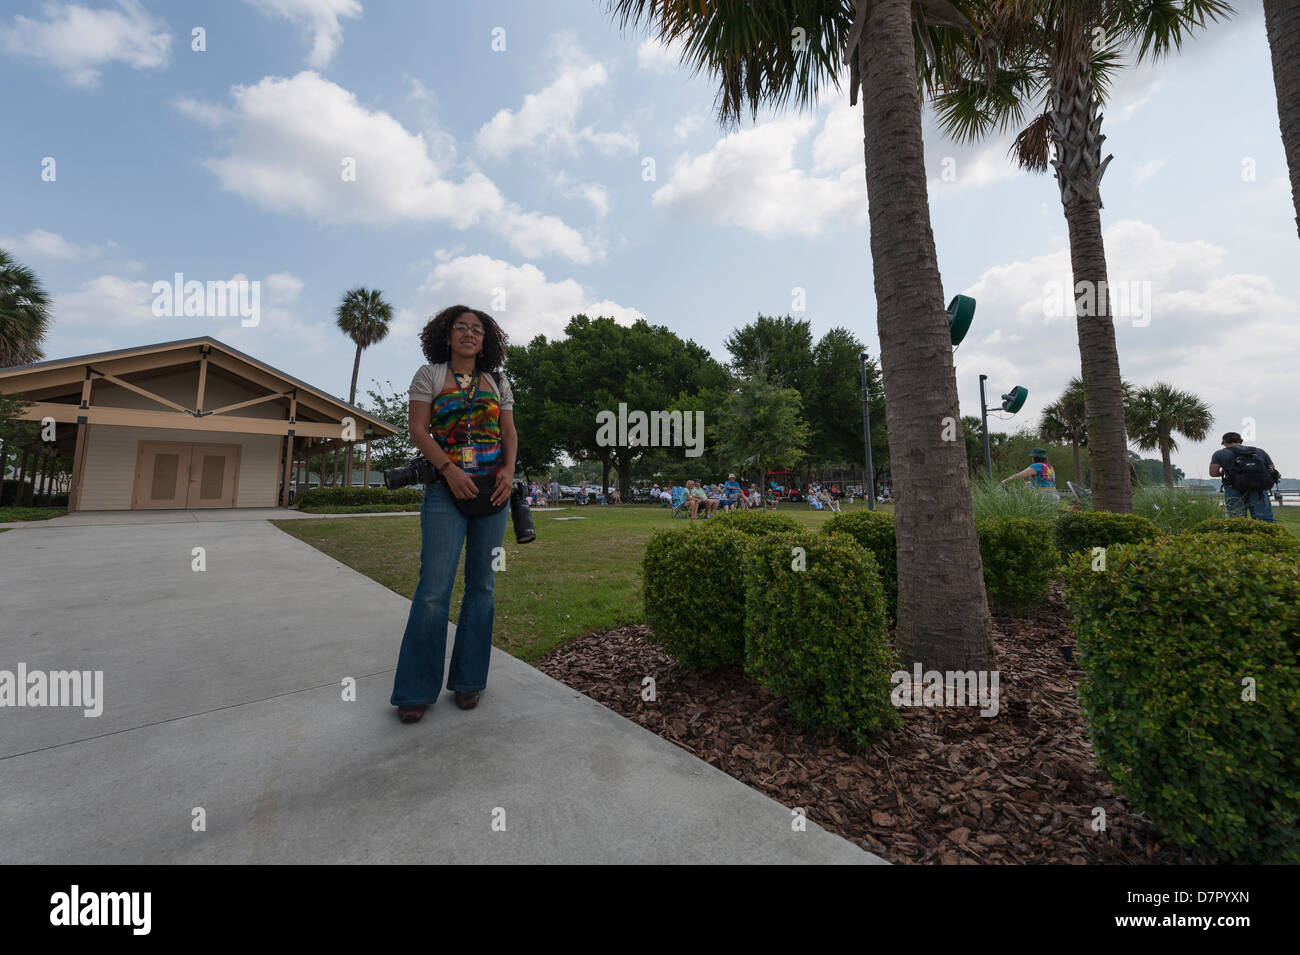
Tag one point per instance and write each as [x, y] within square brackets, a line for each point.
[1014, 400]
[961, 312]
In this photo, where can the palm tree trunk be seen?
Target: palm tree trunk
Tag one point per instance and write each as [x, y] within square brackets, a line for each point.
[352, 399]
[1282, 20]
[1164, 459]
[1076, 133]
[943, 615]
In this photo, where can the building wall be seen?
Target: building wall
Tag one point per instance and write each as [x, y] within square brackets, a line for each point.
[112, 449]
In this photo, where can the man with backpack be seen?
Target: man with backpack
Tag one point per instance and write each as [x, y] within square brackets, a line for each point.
[1247, 475]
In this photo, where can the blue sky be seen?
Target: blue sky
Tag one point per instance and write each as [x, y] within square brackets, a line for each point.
[514, 180]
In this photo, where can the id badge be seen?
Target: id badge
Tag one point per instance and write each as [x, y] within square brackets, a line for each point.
[467, 457]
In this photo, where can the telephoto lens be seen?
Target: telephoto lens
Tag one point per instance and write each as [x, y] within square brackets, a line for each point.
[521, 516]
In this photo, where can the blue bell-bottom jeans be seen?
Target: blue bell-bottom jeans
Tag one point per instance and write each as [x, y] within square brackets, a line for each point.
[443, 533]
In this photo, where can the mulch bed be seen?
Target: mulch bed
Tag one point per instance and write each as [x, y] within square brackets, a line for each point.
[950, 787]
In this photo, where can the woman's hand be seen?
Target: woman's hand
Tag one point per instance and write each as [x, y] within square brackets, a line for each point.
[504, 482]
[459, 483]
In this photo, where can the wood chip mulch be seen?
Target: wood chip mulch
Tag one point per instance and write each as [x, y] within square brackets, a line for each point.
[951, 787]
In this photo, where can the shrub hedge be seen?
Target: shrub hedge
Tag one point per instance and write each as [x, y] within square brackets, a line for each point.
[817, 635]
[1283, 545]
[342, 496]
[694, 614]
[1239, 525]
[755, 522]
[875, 532]
[1167, 634]
[1019, 561]
[1084, 530]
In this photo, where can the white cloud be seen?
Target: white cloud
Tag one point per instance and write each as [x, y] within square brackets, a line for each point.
[655, 56]
[749, 179]
[291, 137]
[592, 192]
[1146, 170]
[549, 117]
[319, 19]
[51, 245]
[80, 41]
[534, 305]
[107, 301]
[971, 170]
[687, 125]
[1202, 325]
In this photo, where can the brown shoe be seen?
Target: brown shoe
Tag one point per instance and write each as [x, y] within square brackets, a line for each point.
[411, 714]
[467, 699]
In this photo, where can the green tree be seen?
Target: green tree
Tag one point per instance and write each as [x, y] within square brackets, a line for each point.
[761, 423]
[833, 405]
[24, 314]
[563, 385]
[363, 316]
[1064, 420]
[766, 52]
[1160, 411]
[1060, 56]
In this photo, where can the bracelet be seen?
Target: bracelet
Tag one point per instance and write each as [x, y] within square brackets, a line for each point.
[443, 468]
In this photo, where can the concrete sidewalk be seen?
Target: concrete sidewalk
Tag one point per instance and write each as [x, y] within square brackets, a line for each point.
[223, 696]
[205, 515]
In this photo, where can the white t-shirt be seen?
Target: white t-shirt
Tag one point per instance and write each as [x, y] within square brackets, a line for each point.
[429, 381]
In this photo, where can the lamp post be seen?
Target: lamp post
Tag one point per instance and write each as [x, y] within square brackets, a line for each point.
[984, 430]
[866, 434]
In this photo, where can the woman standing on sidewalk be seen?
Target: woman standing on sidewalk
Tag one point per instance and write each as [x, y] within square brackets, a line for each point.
[462, 421]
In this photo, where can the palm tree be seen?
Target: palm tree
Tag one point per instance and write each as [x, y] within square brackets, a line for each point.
[363, 316]
[1061, 55]
[24, 314]
[1282, 20]
[1065, 420]
[1158, 412]
[747, 45]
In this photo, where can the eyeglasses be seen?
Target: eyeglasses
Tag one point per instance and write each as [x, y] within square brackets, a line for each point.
[461, 328]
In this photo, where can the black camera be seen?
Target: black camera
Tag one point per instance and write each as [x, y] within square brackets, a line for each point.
[419, 471]
[422, 471]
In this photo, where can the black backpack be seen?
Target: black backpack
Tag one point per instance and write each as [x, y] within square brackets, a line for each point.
[1248, 470]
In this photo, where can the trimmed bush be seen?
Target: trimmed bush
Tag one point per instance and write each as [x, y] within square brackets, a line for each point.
[875, 532]
[1084, 530]
[755, 522]
[1167, 635]
[348, 496]
[817, 635]
[1019, 561]
[1240, 525]
[1283, 545]
[693, 613]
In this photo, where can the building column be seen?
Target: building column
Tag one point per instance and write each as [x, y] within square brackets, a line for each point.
[78, 464]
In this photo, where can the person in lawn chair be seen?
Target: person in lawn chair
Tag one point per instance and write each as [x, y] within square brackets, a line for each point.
[1040, 474]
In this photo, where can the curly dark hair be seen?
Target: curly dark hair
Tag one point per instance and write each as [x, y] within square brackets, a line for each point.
[433, 340]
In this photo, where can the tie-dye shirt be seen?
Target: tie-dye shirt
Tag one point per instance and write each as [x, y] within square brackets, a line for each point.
[447, 425]
[1044, 474]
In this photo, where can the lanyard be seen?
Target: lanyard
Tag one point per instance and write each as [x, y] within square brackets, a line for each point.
[469, 407]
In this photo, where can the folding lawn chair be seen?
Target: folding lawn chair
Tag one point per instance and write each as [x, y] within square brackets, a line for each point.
[679, 503]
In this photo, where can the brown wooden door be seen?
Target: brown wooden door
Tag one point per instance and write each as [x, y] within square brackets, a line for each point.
[185, 475]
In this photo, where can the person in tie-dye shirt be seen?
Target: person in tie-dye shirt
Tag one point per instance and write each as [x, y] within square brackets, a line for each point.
[1040, 473]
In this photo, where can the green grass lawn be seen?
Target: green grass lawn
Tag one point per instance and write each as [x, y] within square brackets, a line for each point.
[577, 577]
[1288, 517]
[8, 514]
